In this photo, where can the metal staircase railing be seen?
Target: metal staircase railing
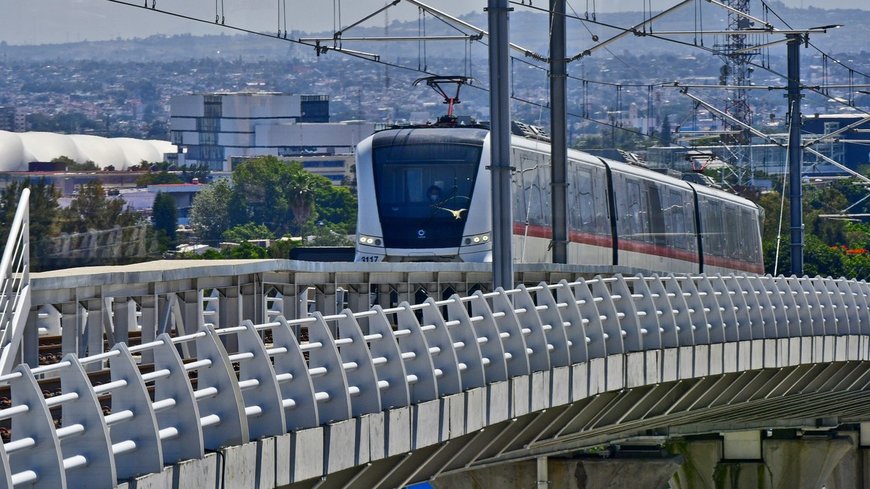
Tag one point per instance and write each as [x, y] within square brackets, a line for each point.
[15, 285]
[175, 398]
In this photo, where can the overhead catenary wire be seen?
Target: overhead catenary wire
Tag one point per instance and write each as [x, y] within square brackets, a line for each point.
[350, 53]
[424, 69]
[835, 60]
[596, 121]
[316, 46]
[764, 66]
[595, 39]
[825, 57]
[369, 58]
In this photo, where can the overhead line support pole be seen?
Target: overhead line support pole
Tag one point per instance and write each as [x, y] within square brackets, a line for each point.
[500, 144]
[795, 154]
[558, 130]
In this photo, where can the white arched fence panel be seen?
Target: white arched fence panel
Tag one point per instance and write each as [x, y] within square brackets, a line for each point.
[142, 407]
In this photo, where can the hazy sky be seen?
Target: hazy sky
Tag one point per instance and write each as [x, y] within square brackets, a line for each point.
[53, 21]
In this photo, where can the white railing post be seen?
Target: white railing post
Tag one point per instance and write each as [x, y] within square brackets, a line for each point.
[15, 285]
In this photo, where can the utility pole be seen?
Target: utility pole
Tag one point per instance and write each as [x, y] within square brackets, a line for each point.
[795, 153]
[500, 145]
[558, 130]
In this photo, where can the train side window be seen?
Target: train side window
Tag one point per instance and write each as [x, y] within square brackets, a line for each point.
[534, 196]
[602, 205]
[644, 217]
[525, 179]
[621, 214]
[749, 239]
[731, 244]
[687, 201]
[742, 238]
[758, 256]
[712, 222]
[582, 213]
[655, 214]
[633, 210]
[544, 183]
[519, 198]
[675, 226]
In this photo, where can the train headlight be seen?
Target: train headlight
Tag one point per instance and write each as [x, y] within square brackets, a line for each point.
[477, 239]
[369, 240]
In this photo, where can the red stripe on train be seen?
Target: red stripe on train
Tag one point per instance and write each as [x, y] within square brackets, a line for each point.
[537, 231]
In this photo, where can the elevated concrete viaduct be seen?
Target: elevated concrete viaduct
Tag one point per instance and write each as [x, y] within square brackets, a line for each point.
[576, 381]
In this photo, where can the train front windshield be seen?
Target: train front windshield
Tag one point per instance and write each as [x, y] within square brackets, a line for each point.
[424, 192]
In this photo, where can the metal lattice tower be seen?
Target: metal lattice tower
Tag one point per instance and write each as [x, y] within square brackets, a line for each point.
[737, 51]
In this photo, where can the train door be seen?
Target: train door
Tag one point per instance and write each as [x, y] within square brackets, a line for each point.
[588, 215]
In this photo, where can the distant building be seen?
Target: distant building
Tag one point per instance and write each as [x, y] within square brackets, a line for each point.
[182, 194]
[222, 128]
[337, 168]
[17, 150]
[849, 147]
[12, 119]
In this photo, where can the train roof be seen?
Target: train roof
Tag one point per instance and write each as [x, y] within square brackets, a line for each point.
[721, 194]
[473, 135]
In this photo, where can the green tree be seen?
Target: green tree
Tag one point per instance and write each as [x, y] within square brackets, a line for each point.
[822, 259]
[210, 211]
[330, 236]
[302, 192]
[259, 188]
[44, 211]
[244, 232]
[857, 235]
[73, 165]
[824, 238]
[165, 216]
[825, 200]
[857, 266]
[92, 210]
[66, 160]
[246, 250]
[281, 248]
[158, 178]
[280, 195]
[337, 206]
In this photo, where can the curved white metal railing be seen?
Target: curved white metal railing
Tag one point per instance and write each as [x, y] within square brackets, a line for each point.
[15, 284]
[154, 407]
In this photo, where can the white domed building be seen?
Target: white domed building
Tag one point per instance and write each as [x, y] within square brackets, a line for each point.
[17, 149]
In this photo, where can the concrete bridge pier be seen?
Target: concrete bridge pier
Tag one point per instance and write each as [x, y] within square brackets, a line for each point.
[325, 299]
[229, 313]
[568, 473]
[358, 297]
[745, 460]
[853, 471]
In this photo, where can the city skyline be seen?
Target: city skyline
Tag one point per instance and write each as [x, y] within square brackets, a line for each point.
[59, 21]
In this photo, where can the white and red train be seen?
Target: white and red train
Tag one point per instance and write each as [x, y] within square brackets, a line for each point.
[424, 195]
